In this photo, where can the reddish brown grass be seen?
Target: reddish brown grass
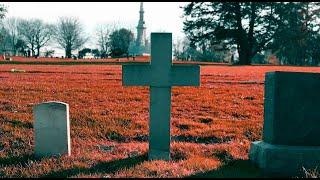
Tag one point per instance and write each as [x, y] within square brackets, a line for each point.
[211, 124]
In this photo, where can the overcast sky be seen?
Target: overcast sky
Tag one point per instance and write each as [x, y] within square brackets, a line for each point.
[159, 16]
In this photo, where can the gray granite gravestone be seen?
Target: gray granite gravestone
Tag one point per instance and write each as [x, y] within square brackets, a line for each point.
[51, 128]
[160, 75]
[291, 128]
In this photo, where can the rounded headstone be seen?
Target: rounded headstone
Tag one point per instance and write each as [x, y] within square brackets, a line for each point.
[52, 130]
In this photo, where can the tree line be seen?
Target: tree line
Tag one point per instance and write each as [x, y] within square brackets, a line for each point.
[289, 29]
[29, 36]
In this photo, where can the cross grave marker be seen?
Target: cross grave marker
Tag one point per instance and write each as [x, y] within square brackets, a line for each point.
[160, 75]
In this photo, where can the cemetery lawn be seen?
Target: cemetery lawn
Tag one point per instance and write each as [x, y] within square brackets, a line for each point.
[212, 126]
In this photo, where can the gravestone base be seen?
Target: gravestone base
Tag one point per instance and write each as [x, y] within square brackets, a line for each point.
[159, 155]
[284, 160]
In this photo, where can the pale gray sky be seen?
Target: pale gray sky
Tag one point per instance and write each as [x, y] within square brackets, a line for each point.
[159, 16]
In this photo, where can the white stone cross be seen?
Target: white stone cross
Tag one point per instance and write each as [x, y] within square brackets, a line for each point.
[51, 129]
[160, 75]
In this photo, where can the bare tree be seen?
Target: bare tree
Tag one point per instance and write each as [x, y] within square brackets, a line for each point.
[69, 34]
[27, 31]
[181, 48]
[5, 42]
[43, 34]
[177, 47]
[3, 11]
[11, 27]
[103, 33]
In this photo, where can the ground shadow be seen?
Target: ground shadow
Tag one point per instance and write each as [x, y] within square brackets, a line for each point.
[100, 167]
[17, 124]
[234, 169]
[15, 160]
[182, 138]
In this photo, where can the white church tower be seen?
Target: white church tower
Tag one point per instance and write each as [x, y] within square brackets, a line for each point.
[141, 28]
[141, 45]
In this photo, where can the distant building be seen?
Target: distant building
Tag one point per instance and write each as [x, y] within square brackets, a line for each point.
[88, 56]
[141, 45]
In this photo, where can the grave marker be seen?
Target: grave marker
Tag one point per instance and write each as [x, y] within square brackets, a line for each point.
[291, 126]
[51, 128]
[160, 75]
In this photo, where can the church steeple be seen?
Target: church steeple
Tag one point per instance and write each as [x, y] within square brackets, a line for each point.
[141, 9]
[141, 19]
[141, 28]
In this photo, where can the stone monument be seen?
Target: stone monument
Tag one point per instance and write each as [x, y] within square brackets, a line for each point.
[291, 128]
[160, 75]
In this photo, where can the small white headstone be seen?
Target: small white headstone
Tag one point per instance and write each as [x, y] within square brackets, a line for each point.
[51, 126]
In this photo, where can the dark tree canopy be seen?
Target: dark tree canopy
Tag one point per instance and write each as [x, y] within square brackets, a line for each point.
[96, 53]
[120, 41]
[290, 29]
[248, 25]
[21, 46]
[83, 52]
[3, 11]
[296, 39]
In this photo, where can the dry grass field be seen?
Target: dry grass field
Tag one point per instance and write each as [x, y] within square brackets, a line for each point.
[211, 125]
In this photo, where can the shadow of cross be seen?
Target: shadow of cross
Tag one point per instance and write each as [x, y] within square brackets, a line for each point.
[160, 75]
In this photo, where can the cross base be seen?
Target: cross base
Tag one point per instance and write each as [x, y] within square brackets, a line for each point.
[159, 155]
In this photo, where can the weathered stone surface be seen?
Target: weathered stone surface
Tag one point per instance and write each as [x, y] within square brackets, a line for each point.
[160, 75]
[291, 125]
[292, 102]
[284, 160]
[160, 112]
[51, 128]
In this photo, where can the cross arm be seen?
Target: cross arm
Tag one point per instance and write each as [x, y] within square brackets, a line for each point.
[136, 75]
[185, 75]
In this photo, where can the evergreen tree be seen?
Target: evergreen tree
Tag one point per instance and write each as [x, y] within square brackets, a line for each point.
[249, 25]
